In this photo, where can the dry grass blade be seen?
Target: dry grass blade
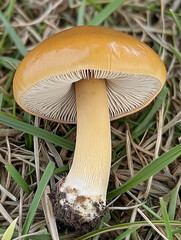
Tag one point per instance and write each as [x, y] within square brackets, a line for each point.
[36, 152]
[6, 192]
[128, 151]
[152, 225]
[174, 121]
[49, 215]
[5, 214]
[31, 235]
[9, 132]
[43, 16]
[26, 23]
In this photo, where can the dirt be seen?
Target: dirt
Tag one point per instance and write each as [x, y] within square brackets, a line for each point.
[69, 218]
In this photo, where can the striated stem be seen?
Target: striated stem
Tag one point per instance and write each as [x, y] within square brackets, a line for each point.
[91, 165]
[83, 191]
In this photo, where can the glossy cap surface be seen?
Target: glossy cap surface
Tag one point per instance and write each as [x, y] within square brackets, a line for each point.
[72, 55]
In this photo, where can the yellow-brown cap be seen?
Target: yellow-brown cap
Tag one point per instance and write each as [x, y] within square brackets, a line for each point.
[43, 83]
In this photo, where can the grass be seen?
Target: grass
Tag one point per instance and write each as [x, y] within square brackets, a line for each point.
[10, 230]
[148, 171]
[13, 35]
[28, 128]
[151, 137]
[18, 178]
[39, 192]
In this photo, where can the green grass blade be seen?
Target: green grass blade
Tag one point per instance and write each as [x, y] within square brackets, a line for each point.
[176, 231]
[28, 9]
[81, 14]
[95, 5]
[146, 207]
[125, 226]
[1, 100]
[41, 187]
[126, 233]
[62, 169]
[107, 11]
[10, 116]
[175, 52]
[146, 121]
[10, 9]
[177, 21]
[28, 137]
[166, 219]
[173, 203]
[10, 230]
[148, 171]
[41, 133]
[18, 178]
[9, 62]
[8, 84]
[13, 35]
[8, 12]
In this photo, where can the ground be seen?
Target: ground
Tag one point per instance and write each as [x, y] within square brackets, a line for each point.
[149, 207]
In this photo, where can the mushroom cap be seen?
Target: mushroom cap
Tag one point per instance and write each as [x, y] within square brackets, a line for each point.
[44, 81]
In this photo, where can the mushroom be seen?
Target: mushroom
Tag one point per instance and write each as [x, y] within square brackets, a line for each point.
[87, 75]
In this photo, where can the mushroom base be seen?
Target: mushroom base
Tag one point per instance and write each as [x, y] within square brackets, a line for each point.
[74, 211]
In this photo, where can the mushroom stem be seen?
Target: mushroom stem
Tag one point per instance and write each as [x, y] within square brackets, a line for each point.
[91, 165]
[81, 196]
